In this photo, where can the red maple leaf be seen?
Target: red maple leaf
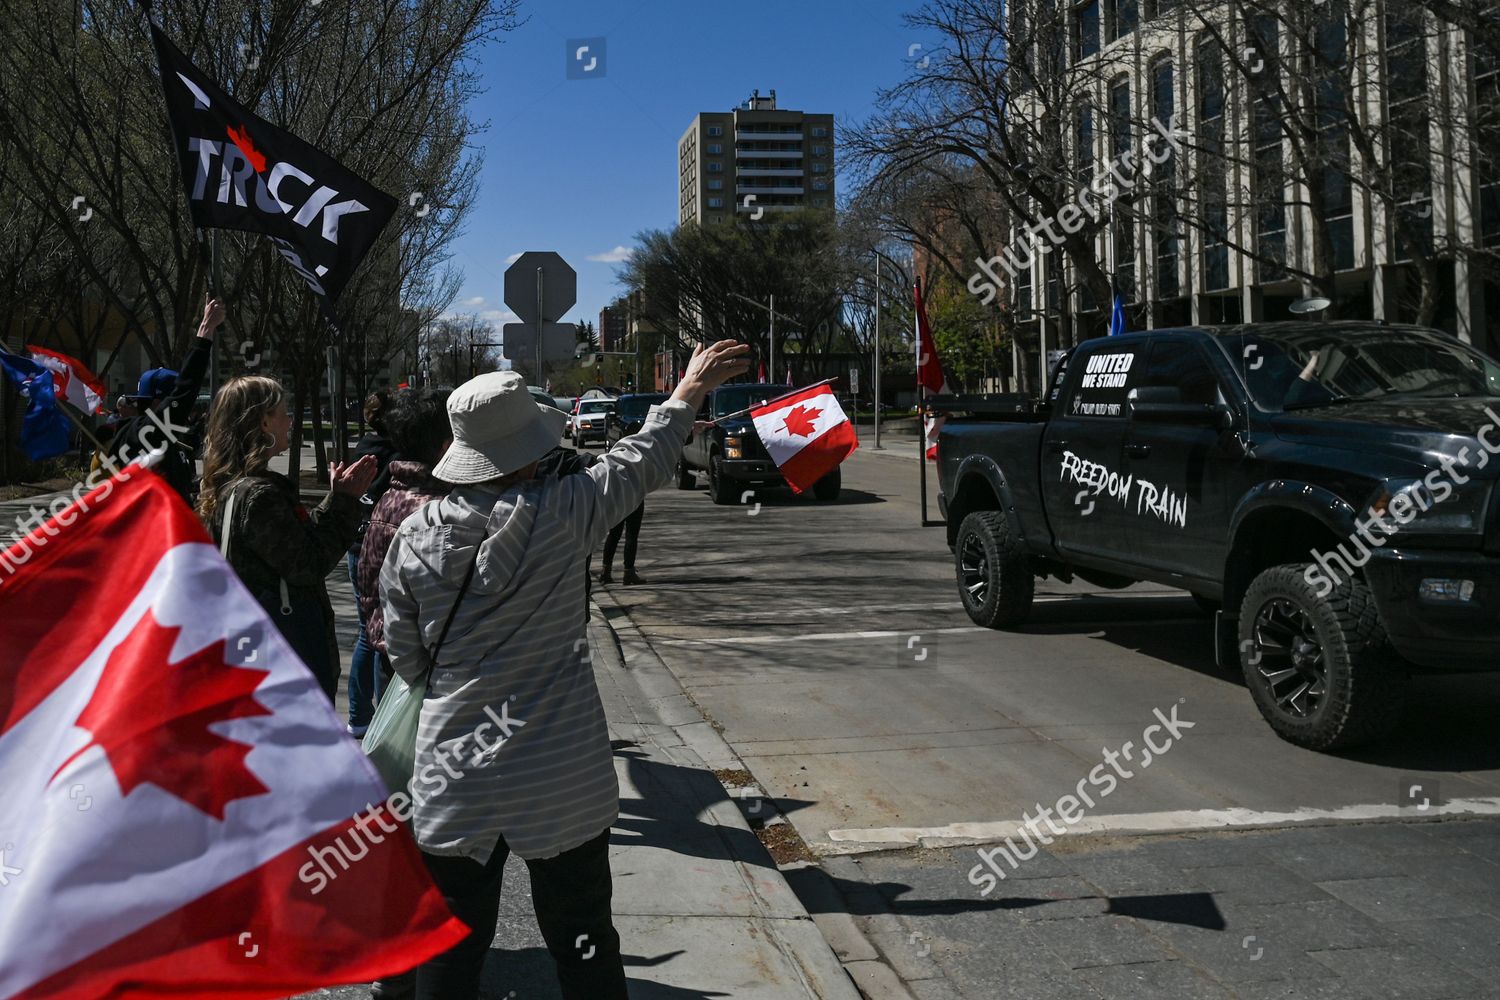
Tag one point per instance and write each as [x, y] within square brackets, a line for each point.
[241, 138]
[800, 421]
[151, 718]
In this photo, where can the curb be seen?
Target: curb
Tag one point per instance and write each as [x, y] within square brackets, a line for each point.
[847, 946]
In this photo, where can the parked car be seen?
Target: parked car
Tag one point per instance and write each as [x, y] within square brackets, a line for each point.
[731, 452]
[1251, 465]
[591, 421]
[630, 413]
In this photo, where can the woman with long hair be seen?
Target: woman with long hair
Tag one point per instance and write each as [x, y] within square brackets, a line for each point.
[281, 551]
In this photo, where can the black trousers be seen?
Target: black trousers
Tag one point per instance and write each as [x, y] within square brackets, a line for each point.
[571, 893]
[631, 526]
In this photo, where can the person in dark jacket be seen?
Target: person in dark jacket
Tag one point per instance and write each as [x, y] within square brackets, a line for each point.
[418, 425]
[165, 400]
[280, 550]
[631, 529]
[366, 667]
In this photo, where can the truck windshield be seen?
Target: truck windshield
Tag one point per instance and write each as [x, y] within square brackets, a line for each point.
[1333, 365]
[596, 405]
[636, 407]
[733, 398]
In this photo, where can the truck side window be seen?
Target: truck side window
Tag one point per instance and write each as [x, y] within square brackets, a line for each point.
[1102, 380]
[1181, 365]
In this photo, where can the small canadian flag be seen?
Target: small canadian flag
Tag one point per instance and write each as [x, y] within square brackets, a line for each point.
[806, 434]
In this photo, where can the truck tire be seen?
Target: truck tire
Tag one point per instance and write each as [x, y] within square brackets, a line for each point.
[720, 488]
[827, 488]
[687, 479]
[994, 574]
[1320, 668]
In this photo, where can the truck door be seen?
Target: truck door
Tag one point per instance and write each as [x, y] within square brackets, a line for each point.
[1182, 471]
[1084, 486]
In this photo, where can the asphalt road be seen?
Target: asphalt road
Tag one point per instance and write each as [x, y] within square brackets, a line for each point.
[827, 643]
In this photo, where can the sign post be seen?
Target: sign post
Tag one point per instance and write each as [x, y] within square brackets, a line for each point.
[539, 287]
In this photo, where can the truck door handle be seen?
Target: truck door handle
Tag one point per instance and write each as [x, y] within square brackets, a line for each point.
[1138, 450]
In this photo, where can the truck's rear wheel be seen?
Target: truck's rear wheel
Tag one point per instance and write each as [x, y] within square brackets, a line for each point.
[994, 575]
[1319, 667]
[721, 488]
[687, 479]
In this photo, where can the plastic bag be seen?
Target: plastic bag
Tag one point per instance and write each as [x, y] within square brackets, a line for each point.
[391, 740]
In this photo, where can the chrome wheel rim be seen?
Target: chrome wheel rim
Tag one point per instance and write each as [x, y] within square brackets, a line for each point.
[1289, 659]
[974, 568]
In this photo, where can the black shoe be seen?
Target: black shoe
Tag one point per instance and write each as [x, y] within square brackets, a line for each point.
[606, 578]
[402, 987]
[631, 577]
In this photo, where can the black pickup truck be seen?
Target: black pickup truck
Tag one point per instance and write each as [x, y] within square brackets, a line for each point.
[1326, 488]
[731, 453]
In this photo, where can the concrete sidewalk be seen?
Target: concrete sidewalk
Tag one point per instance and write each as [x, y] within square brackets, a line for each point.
[702, 910]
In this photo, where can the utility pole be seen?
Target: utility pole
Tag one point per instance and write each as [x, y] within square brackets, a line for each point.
[877, 356]
[771, 355]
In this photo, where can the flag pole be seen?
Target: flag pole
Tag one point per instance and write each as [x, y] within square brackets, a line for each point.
[784, 395]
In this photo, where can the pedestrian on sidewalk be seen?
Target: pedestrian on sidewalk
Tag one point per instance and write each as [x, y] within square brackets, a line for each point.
[365, 664]
[282, 552]
[417, 422]
[631, 528]
[502, 559]
[164, 402]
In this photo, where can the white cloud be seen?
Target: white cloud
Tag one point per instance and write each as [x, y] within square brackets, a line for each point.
[500, 316]
[475, 302]
[614, 256]
[512, 258]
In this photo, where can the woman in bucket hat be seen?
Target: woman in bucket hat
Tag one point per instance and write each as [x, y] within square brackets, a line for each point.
[513, 751]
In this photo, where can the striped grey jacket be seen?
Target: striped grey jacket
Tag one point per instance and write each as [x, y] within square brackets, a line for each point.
[513, 740]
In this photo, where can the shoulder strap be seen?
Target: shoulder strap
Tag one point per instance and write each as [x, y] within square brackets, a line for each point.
[226, 531]
[457, 600]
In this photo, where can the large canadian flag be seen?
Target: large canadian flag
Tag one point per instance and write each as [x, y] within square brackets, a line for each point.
[184, 814]
[806, 434]
[71, 378]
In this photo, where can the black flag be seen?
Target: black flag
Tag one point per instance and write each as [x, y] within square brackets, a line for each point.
[244, 173]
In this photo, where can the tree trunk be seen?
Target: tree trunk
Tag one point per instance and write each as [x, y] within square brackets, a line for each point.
[320, 452]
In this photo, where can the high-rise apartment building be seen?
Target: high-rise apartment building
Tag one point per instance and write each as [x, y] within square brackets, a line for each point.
[754, 160]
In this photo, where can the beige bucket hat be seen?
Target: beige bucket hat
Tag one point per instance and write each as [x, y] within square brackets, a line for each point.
[497, 429]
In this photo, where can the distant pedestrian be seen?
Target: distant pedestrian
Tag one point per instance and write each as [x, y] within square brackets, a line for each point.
[281, 551]
[631, 529]
[164, 400]
[365, 664]
[511, 702]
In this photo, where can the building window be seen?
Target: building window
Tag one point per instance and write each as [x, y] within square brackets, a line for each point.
[1331, 147]
[715, 148]
[715, 185]
[716, 130]
[820, 150]
[820, 185]
[820, 202]
[1212, 167]
[1086, 29]
[820, 168]
[1122, 226]
[1164, 218]
[820, 132]
[1124, 17]
[1487, 129]
[1161, 8]
[1267, 168]
[716, 203]
[1083, 144]
[715, 167]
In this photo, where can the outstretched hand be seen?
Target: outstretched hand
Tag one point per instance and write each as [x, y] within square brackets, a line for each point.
[710, 367]
[213, 316]
[354, 478]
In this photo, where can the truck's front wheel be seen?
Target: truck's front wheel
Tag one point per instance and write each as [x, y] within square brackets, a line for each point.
[1319, 665]
[720, 487]
[994, 575]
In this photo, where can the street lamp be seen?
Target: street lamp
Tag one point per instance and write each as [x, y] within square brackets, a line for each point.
[771, 309]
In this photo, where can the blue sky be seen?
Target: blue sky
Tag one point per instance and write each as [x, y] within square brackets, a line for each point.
[581, 165]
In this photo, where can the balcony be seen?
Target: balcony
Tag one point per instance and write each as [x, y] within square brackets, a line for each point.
[757, 207]
[743, 135]
[767, 154]
[764, 172]
[768, 190]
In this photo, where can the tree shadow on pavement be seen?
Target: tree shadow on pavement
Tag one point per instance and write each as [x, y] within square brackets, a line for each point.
[821, 892]
[529, 974]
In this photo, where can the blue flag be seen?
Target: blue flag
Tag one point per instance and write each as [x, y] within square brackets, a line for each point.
[45, 431]
[1117, 316]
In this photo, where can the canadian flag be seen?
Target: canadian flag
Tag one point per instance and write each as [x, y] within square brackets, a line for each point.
[71, 378]
[185, 816]
[929, 374]
[806, 434]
